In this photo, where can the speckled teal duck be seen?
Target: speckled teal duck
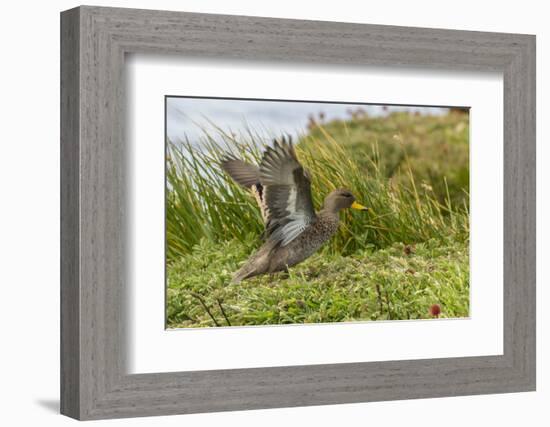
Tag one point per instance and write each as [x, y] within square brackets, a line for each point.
[293, 230]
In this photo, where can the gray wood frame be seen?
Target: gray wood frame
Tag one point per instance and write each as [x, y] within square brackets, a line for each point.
[94, 41]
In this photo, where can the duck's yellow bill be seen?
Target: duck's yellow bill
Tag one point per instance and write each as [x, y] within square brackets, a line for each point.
[359, 207]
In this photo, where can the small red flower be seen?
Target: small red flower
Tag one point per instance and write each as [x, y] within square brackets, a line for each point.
[435, 310]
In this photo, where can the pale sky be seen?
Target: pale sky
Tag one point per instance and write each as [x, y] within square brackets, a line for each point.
[186, 116]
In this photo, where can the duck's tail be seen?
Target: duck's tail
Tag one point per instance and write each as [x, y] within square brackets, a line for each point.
[257, 264]
[246, 272]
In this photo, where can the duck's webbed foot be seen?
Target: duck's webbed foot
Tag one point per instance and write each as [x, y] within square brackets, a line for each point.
[284, 274]
[281, 274]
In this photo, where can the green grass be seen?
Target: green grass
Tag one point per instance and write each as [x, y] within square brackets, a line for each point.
[403, 166]
[386, 284]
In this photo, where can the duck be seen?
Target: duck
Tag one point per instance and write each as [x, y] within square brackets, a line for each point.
[282, 188]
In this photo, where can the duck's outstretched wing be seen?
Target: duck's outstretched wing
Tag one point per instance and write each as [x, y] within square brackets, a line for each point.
[247, 176]
[286, 192]
[242, 173]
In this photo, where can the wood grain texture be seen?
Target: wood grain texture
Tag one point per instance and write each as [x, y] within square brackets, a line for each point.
[94, 198]
[70, 292]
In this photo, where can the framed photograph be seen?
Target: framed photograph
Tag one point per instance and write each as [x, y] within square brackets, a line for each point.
[261, 213]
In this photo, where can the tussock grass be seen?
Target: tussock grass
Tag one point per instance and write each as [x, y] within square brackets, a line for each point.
[203, 202]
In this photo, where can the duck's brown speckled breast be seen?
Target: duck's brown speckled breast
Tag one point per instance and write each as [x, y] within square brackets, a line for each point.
[306, 244]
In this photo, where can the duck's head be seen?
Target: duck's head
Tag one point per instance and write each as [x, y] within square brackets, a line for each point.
[341, 199]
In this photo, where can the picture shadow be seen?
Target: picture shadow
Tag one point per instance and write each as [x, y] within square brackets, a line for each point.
[51, 405]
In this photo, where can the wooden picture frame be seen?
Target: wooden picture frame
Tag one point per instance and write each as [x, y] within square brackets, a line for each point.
[94, 41]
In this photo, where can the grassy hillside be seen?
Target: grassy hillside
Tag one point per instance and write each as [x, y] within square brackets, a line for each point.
[408, 253]
[436, 148]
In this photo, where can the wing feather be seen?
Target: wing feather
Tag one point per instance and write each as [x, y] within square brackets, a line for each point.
[287, 192]
[243, 173]
[247, 176]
